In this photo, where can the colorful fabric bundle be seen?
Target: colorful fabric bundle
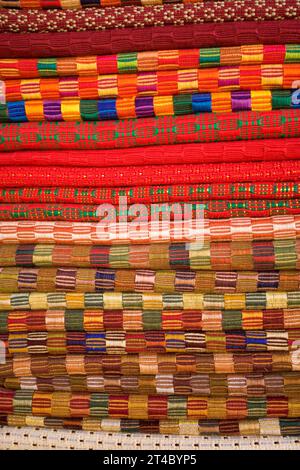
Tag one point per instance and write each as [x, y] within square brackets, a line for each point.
[203, 127]
[245, 427]
[150, 244]
[143, 17]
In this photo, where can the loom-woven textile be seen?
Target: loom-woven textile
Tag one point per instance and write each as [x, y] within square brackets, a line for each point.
[77, 4]
[15, 279]
[150, 61]
[210, 230]
[138, 16]
[145, 320]
[147, 39]
[147, 106]
[213, 152]
[268, 300]
[279, 254]
[134, 406]
[22, 176]
[150, 363]
[244, 427]
[153, 194]
[203, 127]
[251, 385]
[155, 83]
[211, 209]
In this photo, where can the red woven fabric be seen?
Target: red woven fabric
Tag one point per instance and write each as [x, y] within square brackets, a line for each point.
[91, 19]
[205, 127]
[211, 210]
[147, 39]
[269, 149]
[154, 194]
[23, 176]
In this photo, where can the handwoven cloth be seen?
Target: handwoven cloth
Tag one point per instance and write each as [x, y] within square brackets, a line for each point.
[155, 83]
[14, 279]
[87, 233]
[23, 176]
[268, 300]
[242, 255]
[250, 385]
[77, 4]
[129, 63]
[93, 320]
[218, 152]
[147, 106]
[244, 427]
[203, 127]
[136, 16]
[211, 209]
[154, 194]
[147, 39]
[134, 406]
[149, 363]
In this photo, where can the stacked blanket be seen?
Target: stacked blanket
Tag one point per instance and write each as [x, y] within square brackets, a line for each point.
[150, 216]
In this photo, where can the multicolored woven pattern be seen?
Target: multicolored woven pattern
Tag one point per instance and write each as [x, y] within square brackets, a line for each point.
[251, 385]
[14, 279]
[136, 16]
[76, 4]
[133, 406]
[244, 427]
[145, 320]
[203, 127]
[153, 194]
[133, 62]
[156, 83]
[150, 363]
[236, 255]
[211, 209]
[147, 106]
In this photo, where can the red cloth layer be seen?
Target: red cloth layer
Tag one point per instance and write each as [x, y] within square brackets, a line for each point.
[204, 127]
[147, 39]
[153, 194]
[27, 176]
[256, 150]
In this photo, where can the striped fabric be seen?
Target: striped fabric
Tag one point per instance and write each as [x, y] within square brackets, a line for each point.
[147, 106]
[209, 230]
[133, 62]
[150, 363]
[231, 385]
[244, 427]
[20, 279]
[95, 320]
[77, 4]
[154, 83]
[134, 406]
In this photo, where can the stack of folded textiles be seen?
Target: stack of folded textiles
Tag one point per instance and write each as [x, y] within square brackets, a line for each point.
[172, 108]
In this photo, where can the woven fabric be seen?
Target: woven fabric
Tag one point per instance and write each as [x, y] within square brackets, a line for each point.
[130, 63]
[242, 229]
[251, 385]
[148, 39]
[268, 300]
[27, 176]
[154, 83]
[203, 127]
[211, 209]
[236, 255]
[24, 365]
[133, 406]
[91, 320]
[14, 279]
[244, 427]
[153, 194]
[219, 152]
[147, 106]
[136, 16]
[77, 4]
